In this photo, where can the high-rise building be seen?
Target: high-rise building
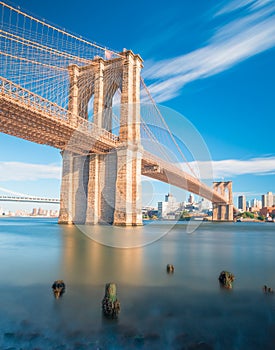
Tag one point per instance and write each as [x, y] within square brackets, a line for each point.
[169, 206]
[242, 203]
[170, 198]
[255, 203]
[40, 211]
[191, 199]
[268, 199]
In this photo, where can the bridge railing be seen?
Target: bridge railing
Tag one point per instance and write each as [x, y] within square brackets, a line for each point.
[151, 158]
[99, 133]
[31, 99]
[34, 101]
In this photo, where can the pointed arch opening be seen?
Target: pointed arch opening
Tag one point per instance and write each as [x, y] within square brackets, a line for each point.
[112, 108]
[226, 193]
[116, 111]
[90, 109]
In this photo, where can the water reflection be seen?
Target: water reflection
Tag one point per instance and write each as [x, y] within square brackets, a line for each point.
[127, 237]
[185, 310]
[88, 262]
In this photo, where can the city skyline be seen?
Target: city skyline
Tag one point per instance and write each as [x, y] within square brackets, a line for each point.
[221, 82]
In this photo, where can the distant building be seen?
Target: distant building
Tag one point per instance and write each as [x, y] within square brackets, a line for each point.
[191, 199]
[204, 205]
[168, 208]
[40, 211]
[149, 212]
[268, 211]
[268, 200]
[242, 203]
[255, 203]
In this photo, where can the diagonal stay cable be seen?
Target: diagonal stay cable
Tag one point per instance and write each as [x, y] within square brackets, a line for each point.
[165, 124]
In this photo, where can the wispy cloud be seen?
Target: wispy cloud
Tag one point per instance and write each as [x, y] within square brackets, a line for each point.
[241, 4]
[17, 171]
[229, 168]
[247, 33]
[247, 194]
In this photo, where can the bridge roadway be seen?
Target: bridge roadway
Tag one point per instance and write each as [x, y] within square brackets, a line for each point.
[164, 171]
[31, 117]
[29, 199]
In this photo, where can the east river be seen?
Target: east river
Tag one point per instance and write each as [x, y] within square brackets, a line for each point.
[184, 310]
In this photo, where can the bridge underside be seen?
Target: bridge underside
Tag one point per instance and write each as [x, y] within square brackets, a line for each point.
[161, 170]
[223, 208]
[32, 124]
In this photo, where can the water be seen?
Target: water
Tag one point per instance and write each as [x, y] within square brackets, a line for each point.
[185, 310]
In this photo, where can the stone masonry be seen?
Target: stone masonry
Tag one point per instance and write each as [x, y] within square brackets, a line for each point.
[105, 188]
[221, 211]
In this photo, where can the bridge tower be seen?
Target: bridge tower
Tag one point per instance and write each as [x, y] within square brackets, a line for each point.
[223, 211]
[105, 187]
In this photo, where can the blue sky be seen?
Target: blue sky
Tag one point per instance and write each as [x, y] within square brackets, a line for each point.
[211, 61]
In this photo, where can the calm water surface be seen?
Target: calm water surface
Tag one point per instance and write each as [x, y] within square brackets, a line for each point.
[186, 310]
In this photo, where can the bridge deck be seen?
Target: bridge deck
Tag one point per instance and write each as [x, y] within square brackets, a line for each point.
[29, 199]
[166, 172]
[29, 116]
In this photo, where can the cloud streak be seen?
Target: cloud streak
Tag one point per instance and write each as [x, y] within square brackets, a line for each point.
[229, 168]
[240, 4]
[17, 171]
[217, 169]
[249, 33]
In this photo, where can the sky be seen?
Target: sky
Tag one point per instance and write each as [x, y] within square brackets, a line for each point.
[210, 61]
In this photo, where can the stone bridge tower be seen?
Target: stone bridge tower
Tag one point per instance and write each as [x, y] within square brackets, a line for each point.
[106, 187]
[223, 211]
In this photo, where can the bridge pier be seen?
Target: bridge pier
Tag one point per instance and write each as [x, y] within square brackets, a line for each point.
[101, 189]
[223, 211]
[128, 206]
[105, 188]
[128, 203]
[73, 194]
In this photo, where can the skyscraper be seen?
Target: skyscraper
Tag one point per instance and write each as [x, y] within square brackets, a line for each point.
[255, 203]
[242, 203]
[268, 200]
[191, 199]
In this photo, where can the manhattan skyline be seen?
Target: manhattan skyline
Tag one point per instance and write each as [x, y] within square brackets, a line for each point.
[211, 63]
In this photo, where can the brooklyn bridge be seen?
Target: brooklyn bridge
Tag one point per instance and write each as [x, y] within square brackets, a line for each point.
[92, 104]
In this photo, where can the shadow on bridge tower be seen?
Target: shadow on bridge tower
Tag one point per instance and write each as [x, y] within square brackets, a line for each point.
[105, 187]
[223, 211]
